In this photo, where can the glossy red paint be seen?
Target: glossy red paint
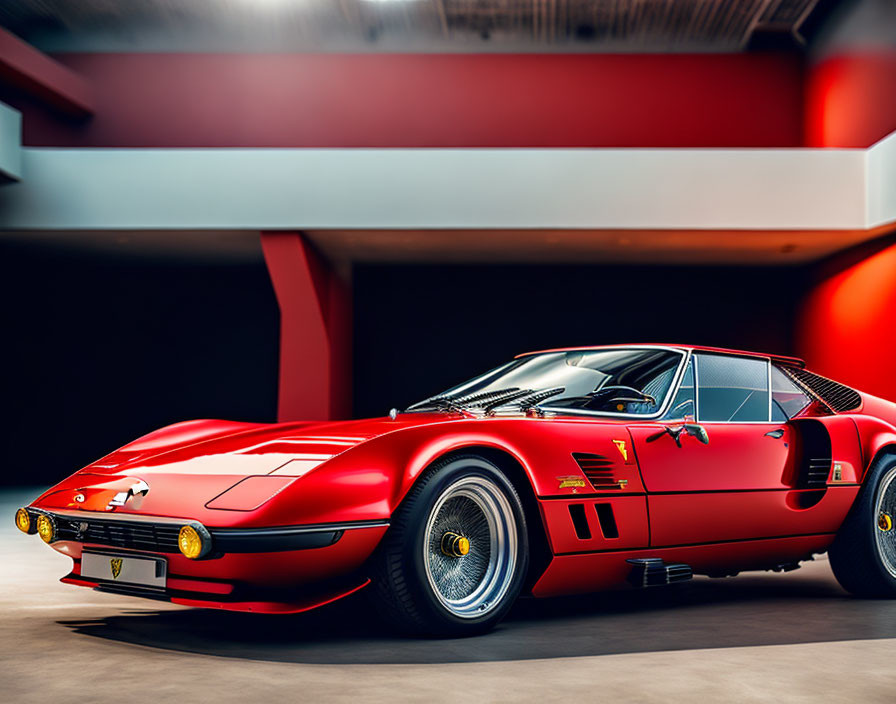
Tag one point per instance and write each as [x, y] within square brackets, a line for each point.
[725, 516]
[629, 512]
[431, 100]
[735, 503]
[740, 456]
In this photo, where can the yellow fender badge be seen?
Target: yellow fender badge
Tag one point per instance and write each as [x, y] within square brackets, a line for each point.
[620, 445]
[571, 482]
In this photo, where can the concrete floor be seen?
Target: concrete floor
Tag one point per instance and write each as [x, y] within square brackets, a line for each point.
[760, 637]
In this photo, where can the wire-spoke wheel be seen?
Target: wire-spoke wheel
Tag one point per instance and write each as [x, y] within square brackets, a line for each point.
[470, 547]
[863, 555]
[456, 554]
[884, 535]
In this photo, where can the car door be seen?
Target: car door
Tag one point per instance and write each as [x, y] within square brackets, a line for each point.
[733, 487]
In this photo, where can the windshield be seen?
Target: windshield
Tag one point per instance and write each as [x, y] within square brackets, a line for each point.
[624, 381]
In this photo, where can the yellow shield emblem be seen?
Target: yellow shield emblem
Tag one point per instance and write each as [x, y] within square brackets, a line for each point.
[115, 566]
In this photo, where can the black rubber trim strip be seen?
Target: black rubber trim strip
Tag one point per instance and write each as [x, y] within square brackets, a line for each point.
[132, 590]
[607, 495]
[696, 545]
[282, 539]
[233, 540]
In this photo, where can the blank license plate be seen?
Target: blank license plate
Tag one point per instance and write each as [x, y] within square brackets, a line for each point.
[145, 571]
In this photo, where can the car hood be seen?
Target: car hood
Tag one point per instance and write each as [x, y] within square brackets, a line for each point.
[175, 470]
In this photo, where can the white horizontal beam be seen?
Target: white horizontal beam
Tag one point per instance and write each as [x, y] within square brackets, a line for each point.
[752, 189]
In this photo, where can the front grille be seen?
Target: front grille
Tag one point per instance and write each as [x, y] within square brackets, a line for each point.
[598, 469]
[836, 396]
[135, 535]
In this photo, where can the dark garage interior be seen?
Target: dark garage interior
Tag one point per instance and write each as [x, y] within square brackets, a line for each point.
[422, 329]
[124, 343]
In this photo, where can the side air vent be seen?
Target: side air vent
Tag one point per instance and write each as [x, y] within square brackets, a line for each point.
[815, 454]
[607, 521]
[599, 470]
[580, 521]
[837, 397]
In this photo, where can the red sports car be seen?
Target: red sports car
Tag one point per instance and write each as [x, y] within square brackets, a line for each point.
[560, 472]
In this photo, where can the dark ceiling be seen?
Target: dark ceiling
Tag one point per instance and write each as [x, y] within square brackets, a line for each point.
[412, 25]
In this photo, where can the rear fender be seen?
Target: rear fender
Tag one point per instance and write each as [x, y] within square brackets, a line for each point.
[876, 437]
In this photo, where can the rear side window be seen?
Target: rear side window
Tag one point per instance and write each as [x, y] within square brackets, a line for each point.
[787, 398]
[732, 389]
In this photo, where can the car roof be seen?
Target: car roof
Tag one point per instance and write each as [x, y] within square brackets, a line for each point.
[780, 359]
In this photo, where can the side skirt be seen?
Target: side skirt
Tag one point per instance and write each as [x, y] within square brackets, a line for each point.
[590, 572]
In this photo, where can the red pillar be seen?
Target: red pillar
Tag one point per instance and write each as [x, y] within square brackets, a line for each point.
[315, 330]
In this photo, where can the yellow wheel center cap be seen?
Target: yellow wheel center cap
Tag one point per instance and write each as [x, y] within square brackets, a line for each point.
[884, 522]
[455, 545]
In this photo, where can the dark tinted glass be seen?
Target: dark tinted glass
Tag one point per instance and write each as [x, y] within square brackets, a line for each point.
[732, 389]
[631, 381]
[684, 402]
[787, 398]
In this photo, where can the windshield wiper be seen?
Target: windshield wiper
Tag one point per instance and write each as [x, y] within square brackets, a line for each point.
[540, 396]
[505, 399]
[436, 403]
[524, 399]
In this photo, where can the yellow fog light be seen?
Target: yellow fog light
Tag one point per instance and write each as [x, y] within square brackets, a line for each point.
[45, 528]
[191, 543]
[23, 521]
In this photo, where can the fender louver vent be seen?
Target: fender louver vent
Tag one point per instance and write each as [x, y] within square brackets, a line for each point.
[815, 454]
[837, 397]
[816, 473]
[598, 469]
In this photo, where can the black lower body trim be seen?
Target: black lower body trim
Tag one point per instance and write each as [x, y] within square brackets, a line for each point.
[283, 539]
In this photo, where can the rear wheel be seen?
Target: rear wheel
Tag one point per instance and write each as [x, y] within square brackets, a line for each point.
[863, 555]
[456, 554]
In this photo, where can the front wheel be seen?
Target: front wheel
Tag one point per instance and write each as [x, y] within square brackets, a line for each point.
[863, 555]
[456, 555]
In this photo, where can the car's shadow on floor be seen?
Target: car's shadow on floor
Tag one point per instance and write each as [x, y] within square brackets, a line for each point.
[754, 609]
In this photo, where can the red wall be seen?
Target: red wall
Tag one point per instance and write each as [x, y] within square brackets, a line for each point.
[851, 100]
[846, 331]
[304, 100]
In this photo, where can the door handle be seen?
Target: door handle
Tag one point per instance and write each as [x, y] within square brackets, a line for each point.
[776, 433]
[692, 429]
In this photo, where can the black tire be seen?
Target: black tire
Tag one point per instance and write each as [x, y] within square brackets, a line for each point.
[856, 558]
[404, 586]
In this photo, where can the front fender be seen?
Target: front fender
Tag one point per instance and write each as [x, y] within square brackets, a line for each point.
[371, 479]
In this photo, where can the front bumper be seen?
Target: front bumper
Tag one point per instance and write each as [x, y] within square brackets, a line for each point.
[159, 534]
[279, 569]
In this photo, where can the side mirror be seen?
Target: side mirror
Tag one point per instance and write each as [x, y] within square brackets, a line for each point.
[695, 430]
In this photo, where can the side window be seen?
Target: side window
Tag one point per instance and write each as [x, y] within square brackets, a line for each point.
[732, 389]
[787, 398]
[685, 398]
